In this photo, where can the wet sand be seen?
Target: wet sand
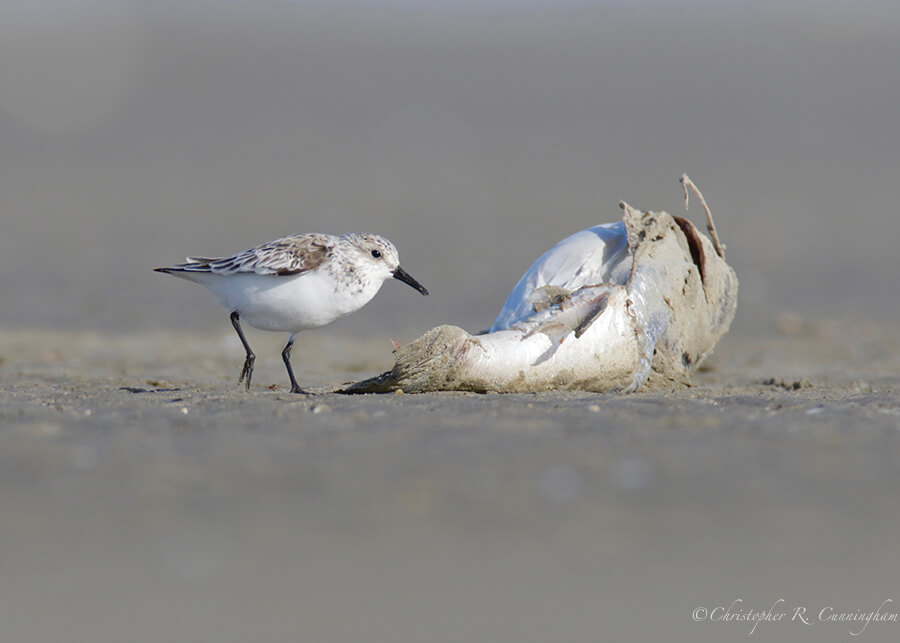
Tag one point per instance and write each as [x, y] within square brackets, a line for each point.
[146, 497]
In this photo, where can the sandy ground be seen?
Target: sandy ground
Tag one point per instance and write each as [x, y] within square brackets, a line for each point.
[145, 497]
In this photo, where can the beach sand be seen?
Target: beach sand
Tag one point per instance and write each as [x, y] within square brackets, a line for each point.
[145, 497]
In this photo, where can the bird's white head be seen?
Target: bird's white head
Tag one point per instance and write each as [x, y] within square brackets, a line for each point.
[379, 258]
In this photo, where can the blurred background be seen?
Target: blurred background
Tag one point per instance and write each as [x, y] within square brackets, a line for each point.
[475, 135]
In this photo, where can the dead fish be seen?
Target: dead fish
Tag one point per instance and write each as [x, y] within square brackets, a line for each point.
[590, 257]
[617, 307]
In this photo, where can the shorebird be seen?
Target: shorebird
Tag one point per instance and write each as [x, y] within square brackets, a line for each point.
[295, 283]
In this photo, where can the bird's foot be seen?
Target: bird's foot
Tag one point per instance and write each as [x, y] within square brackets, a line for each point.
[247, 371]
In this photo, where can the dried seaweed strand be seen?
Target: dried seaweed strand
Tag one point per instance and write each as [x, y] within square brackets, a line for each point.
[710, 225]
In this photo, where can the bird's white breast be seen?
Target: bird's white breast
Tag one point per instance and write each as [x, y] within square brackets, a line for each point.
[290, 303]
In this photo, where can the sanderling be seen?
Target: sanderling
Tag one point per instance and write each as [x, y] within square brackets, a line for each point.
[296, 283]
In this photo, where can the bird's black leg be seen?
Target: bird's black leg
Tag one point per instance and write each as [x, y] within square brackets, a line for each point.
[247, 370]
[286, 356]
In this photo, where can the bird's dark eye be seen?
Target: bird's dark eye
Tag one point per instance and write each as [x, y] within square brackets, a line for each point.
[376, 254]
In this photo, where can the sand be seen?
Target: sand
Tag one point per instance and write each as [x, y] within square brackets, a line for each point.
[146, 497]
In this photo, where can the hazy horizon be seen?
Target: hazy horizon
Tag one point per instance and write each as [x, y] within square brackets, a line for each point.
[137, 133]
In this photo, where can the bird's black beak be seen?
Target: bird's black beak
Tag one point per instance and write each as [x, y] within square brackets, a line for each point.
[403, 276]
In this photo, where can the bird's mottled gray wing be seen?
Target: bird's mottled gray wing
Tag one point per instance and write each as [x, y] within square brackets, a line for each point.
[286, 256]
